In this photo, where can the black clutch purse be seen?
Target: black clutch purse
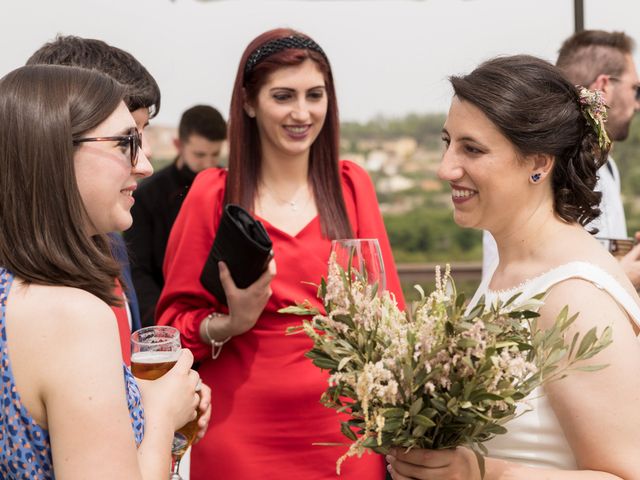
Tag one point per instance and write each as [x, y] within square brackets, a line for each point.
[243, 245]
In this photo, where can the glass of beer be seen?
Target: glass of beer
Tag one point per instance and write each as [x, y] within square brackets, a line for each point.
[154, 351]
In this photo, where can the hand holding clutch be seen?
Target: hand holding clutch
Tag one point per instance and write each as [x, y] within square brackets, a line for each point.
[243, 245]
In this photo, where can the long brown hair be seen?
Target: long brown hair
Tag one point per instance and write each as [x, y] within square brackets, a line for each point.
[42, 217]
[244, 141]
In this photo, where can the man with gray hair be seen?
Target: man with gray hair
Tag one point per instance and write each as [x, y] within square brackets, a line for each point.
[601, 60]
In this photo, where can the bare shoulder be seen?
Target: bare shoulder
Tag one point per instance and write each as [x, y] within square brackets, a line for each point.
[75, 377]
[57, 335]
[595, 305]
[57, 307]
[60, 322]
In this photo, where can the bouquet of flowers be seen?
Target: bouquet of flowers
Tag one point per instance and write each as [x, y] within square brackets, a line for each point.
[438, 377]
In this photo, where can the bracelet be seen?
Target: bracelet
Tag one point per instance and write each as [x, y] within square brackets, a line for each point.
[216, 346]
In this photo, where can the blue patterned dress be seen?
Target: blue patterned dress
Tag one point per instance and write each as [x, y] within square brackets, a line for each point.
[25, 452]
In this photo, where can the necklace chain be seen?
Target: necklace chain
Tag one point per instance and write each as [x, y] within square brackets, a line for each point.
[292, 202]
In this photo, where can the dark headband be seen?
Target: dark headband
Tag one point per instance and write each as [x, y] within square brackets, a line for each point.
[278, 45]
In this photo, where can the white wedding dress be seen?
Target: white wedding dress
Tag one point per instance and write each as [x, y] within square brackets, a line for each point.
[535, 438]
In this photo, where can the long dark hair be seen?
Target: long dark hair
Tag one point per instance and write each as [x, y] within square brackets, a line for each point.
[244, 141]
[42, 216]
[539, 111]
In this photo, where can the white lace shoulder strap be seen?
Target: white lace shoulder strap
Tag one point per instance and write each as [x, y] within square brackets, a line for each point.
[590, 273]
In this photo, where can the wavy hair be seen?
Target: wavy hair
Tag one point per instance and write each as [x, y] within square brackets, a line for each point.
[538, 110]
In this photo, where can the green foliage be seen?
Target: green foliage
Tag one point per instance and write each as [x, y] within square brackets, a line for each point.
[425, 128]
[627, 157]
[429, 234]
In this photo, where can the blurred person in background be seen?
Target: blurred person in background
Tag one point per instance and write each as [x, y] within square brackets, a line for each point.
[201, 134]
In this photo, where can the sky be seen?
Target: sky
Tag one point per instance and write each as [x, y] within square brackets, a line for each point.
[389, 58]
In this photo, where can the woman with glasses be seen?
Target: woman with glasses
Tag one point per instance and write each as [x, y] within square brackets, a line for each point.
[284, 168]
[70, 158]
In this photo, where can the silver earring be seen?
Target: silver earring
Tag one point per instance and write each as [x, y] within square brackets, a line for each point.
[535, 177]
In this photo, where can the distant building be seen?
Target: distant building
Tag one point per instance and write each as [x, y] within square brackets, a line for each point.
[161, 140]
[393, 184]
[403, 147]
[376, 160]
[431, 185]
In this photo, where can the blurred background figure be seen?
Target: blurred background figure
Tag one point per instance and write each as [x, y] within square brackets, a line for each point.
[201, 134]
[142, 97]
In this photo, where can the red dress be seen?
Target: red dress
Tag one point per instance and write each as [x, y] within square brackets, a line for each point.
[124, 329]
[266, 394]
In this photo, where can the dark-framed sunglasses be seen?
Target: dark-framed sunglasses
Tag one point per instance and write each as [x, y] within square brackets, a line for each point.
[133, 139]
[635, 86]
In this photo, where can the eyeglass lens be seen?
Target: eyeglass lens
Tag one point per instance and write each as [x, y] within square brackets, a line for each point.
[135, 144]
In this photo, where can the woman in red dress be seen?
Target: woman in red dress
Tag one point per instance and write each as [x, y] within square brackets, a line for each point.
[284, 168]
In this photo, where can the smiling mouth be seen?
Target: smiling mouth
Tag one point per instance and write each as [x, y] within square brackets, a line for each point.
[297, 129]
[460, 193]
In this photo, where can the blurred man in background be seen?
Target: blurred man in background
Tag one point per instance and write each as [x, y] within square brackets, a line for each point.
[201, 135]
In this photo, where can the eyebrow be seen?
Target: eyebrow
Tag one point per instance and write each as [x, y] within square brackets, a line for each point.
[465, 138]
[125, 131]
[289, 89]
[470, 139]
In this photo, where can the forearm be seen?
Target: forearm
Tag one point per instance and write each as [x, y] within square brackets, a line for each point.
[503, 470]
[216, 326]
[154, 453]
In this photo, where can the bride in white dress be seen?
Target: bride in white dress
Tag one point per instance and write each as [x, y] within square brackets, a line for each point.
[521, 159]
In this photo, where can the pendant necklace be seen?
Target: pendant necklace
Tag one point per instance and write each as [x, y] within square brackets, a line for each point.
[292, 202]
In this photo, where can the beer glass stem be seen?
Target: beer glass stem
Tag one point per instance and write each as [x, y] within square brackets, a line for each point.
[176, 466]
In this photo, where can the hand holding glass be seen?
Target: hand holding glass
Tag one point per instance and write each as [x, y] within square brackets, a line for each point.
[154, 351]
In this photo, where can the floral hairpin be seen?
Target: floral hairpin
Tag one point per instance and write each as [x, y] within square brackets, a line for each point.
[594, 110]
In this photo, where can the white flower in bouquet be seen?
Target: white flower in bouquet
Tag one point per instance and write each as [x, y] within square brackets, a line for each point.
[438, 377]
